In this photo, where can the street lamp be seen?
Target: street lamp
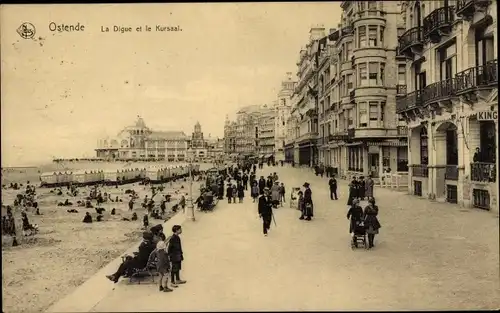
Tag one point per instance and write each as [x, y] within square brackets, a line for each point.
[190, 210]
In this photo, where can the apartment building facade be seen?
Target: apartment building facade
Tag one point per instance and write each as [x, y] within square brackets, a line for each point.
[451, 100]
[282, 110]
[360, 131]
[266, 131]
[229, 136]
[304, 114]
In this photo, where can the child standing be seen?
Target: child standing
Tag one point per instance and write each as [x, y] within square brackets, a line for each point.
[175, 255]
[163, 265]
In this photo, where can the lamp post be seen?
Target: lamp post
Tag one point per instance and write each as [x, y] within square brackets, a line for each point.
[190, 210]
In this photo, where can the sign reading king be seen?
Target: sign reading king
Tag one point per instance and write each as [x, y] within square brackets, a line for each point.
[487, 116]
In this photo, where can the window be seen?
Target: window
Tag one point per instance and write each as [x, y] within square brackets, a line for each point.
[382, 111]
[361, 6]
[349, 82]
[373, 111]
[386, 156]
[382, 74]
[424, 158]
[401, 74]
[372, 36]
[350, 118]
[381, 31]
[361, 36]
[484, 48]
[363, 114]
[363, 76]
[349, 49]
[372, 73]
[372, 8]
[448, 62]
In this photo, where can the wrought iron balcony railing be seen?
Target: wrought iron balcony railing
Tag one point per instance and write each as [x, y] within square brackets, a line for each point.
[441, 17]
[413, 36]
[401, 90]
[438, 91]
[420, 170]
[477, 77]
[411, 101]
[451, 172]
[345, 31]
[402, 130]
[483, 172]
[467, 7]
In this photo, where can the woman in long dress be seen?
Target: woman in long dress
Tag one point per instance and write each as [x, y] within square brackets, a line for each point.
[372, 223]
[275, 194]
[353, 191]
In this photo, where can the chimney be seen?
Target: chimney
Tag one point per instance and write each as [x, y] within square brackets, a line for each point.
[289, 75]
[332, 30]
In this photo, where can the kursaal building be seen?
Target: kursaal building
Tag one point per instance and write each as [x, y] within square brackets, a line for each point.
[448, 95]
[138, 142]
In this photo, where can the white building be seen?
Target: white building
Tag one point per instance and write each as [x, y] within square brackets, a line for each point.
[140, 142]
[451, 100]
[282, 109]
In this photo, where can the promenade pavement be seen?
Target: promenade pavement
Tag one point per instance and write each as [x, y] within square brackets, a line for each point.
[427, 256]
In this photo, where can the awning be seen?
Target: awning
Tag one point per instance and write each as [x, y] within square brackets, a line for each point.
[353, 144]
[388, 143]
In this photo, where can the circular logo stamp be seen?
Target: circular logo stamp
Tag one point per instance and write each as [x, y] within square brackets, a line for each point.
[26, 30]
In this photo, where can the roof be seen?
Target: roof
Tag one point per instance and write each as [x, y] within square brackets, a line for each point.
[140, 123]
[167, 135]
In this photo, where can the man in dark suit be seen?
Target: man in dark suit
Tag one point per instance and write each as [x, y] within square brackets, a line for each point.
[175, 255]
[333, 187]
[265, 210]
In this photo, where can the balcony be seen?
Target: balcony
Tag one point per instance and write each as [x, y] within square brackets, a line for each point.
[467, 8]
[411, 41]
[438, 23]
[420, 170]
[477, 78]
[352, 95]
[346, 31]
[400, 90]
[411, 101]
[451, 172]
[483, 172]
[441, 91]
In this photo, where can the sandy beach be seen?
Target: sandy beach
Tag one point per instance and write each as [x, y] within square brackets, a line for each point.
[66, 252]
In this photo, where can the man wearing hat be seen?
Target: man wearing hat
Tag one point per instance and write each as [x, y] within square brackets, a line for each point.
[265, 210]
[308, 204]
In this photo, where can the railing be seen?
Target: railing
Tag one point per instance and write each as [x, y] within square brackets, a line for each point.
[394, 180]
[451, 172]
[438, 18]
[478, 76]
[412, 100]
[443, 89]
[401, 90]
[420, 170]
[411, 37]
[481, 199]
[348, 30]
[402, 130]
[463, 5]
[483, 172]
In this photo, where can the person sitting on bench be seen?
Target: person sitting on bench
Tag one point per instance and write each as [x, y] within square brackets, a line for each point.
[138, 261]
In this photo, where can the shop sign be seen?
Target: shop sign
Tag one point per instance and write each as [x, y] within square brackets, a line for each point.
[487, 115]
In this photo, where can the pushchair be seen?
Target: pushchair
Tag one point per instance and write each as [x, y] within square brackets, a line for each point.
[359, 236]
[294, 198]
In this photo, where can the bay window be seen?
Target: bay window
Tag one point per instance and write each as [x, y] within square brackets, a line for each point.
[372, 36]
[361, 36]
[363, 114]
[372, 73]
[363, 75]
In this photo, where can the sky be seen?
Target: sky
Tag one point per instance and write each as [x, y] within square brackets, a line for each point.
[62, 91]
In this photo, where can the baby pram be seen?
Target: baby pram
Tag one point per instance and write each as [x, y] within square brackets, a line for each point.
[294, 198]
[359, 236]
